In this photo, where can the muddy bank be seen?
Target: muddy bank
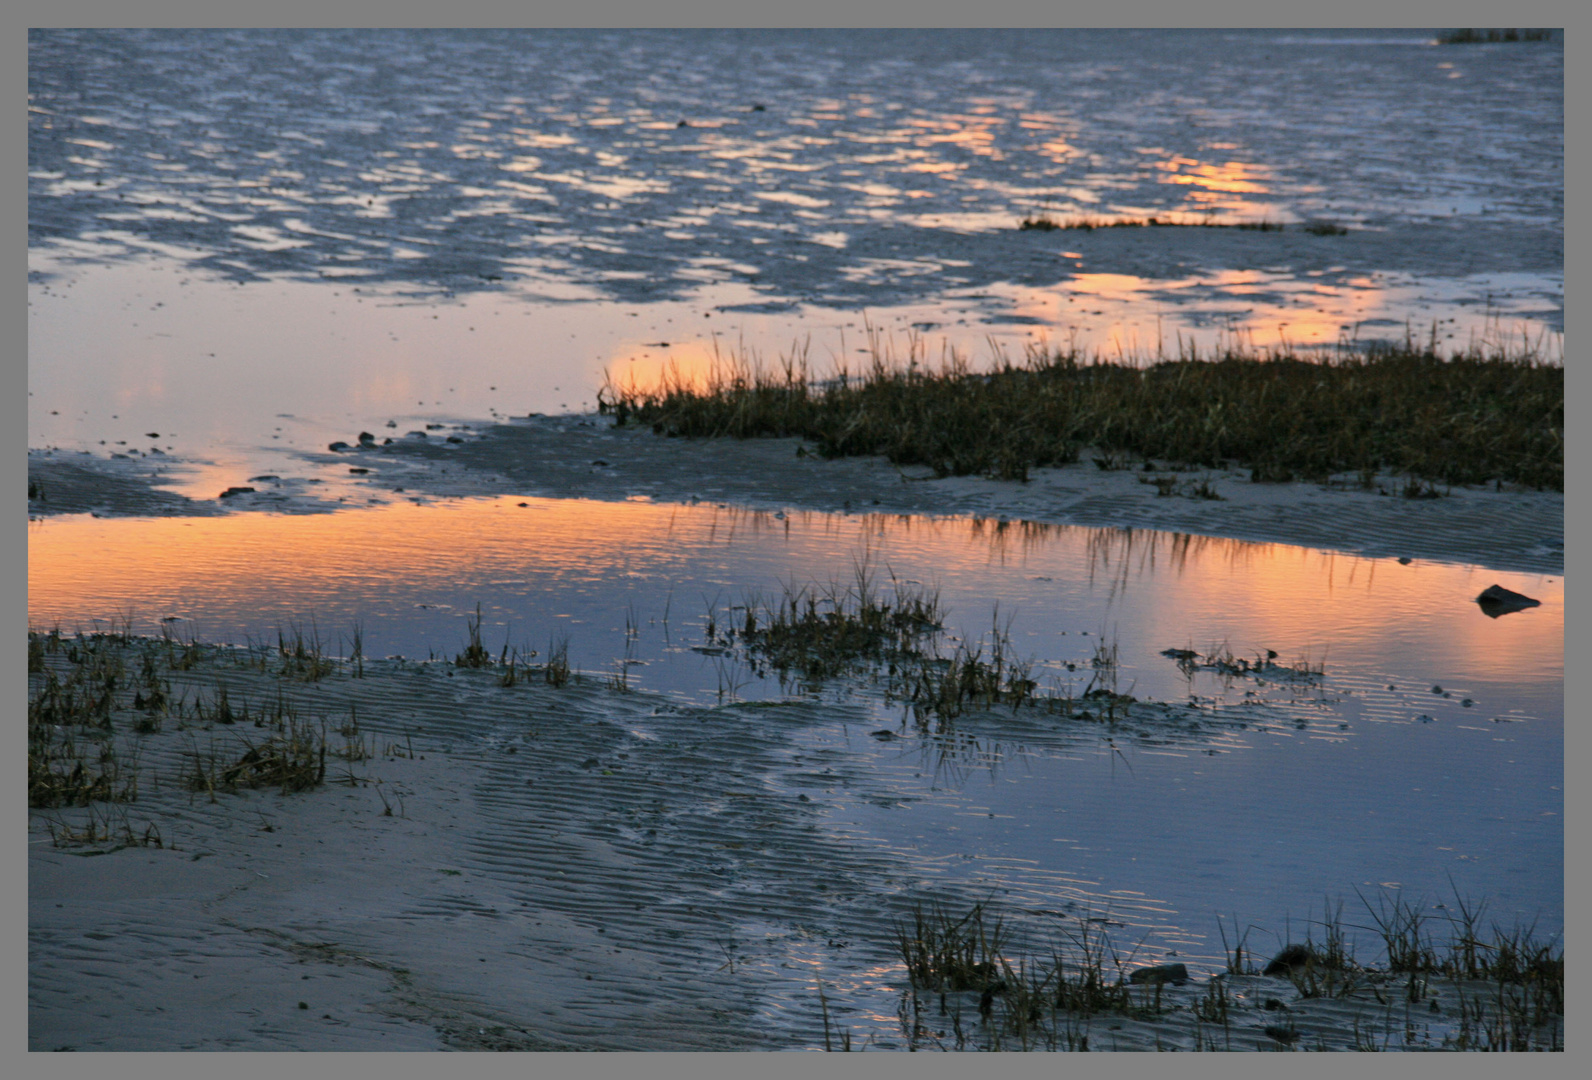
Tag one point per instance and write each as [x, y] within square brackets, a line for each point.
[566, 457]
[586, 457]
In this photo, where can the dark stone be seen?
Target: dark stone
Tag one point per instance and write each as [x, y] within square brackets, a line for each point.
[1495, 600]
[337, 447]
[1290, 959]
[600, 463]
[454, 439]
[231, 491]
[1176, 974]
[883, 734]
[682, 124]
[357, 469]
[367, 438]
[151, 434]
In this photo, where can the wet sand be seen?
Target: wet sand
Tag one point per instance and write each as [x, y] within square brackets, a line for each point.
[524, 868]
[580, 867]
[586, 457]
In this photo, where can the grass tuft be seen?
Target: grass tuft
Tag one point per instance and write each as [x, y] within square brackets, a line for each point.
[1484, 415]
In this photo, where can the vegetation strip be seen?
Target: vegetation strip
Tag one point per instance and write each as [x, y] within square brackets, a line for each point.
[1476, 417]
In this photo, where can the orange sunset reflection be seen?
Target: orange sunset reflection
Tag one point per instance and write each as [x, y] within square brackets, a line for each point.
[1277, 310]
[1158, 590]
[1219, 185]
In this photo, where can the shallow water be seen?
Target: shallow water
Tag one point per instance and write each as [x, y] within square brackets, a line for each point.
[245, 244]
[1277, 796]
[346, 228]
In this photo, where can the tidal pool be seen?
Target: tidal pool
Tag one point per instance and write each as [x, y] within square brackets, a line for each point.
[1428, 757]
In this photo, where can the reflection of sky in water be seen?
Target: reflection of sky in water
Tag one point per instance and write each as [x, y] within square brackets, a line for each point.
[537, 215]
[1258, 803]
[233, 374]
[488, 242]
[348, 153]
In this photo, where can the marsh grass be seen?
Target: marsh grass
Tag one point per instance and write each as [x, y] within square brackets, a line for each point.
[1044, 221]
[292, 759]
[475, 654]
[1227, 664]
[968, 986]
[102, 826]
[1023, 1002]
[816, 633]
[303, 657]
[1478, 37]
[72, 755]
[557, 672]
[1491, 413]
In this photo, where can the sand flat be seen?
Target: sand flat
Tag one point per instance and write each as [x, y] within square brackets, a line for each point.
[562, 869]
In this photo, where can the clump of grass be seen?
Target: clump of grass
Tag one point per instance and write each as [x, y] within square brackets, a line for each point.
[303, 657]
[1022, 1002]
[102, 826]
[945, 952]
[1478, 37]
[820, 633]
[556, 672]
[293, 759]
[1482, 415]
[1224, 662]
[474, 654]
[1506, 993]
[180, 655]
[1045, 222]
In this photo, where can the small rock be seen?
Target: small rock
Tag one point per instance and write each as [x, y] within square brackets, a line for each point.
[367, 439]
[1404, 560]
[454, 439]
[337, 447]
[600, 463]
[1495, 600]
[358, 469]
[883, 734]
[231, 491]
[1292, 957]
[1176, 974]
[682, 124]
